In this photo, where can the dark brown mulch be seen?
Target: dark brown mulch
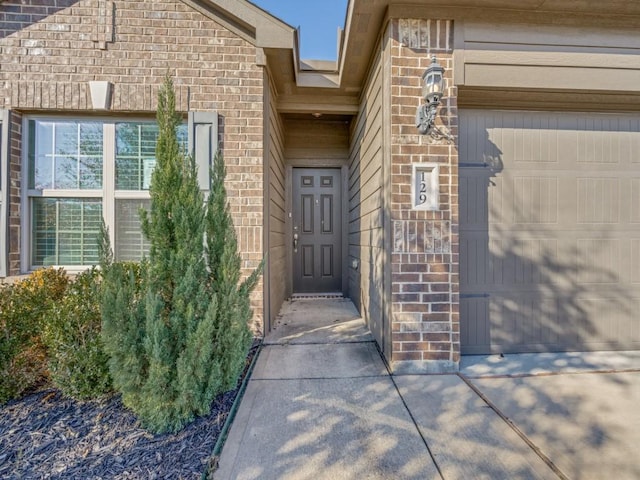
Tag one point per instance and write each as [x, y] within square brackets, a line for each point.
[48, 436]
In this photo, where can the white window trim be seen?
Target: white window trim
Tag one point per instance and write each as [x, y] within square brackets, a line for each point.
[108, 193]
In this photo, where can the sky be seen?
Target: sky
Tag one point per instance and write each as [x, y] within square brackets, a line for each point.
[318, 21]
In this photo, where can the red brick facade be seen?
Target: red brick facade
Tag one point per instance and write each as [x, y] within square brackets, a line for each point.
[425, 259]
[51, 50]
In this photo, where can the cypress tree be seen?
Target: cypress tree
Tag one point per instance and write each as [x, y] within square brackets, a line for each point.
[232, 335]
[174, 339]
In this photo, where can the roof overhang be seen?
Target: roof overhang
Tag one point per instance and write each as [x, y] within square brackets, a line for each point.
[248, 21]
[310, 86]
[280, 43]
[365, 19]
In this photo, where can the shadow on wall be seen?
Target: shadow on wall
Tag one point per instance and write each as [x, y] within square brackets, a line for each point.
[367, 256]
[533, 277]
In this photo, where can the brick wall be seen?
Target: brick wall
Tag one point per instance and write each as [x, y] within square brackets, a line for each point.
[50, 50]
[15, 178]
[425, 298]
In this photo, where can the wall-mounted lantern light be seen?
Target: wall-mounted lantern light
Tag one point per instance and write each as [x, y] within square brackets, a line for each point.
[432, 88]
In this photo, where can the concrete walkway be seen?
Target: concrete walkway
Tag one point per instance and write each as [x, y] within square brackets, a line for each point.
[322, 405]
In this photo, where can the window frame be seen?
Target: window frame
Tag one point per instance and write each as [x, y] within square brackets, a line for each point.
[108, 194]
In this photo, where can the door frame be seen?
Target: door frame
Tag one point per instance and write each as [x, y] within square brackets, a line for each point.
[344, 179]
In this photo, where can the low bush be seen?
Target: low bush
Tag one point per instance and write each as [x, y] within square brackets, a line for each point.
[23, 307]
[123, 324]
[78, 364]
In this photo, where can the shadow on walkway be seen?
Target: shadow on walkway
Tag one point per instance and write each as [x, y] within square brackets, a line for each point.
[322, 405]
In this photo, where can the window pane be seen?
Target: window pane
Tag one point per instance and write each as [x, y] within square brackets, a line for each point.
[90, 155]
[41, 154]
[44, 232]
[130, 243]
[128, 166]
[65, 155]
[66, 172]
[182, 133]
[136, 153]
[91, 139]
[65, 231]
[66, 138]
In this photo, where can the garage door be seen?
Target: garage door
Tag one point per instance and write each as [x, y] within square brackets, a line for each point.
[549, 231]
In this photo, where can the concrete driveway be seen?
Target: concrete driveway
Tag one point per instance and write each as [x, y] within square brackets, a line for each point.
[322, 405]
[582, 411]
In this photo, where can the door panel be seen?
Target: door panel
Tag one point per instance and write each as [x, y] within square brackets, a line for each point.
[549, 231]
[307, 214]
[307, 261]
[327, 213]
[317, 251]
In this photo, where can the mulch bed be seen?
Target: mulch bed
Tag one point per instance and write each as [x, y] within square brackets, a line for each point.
[48, 436]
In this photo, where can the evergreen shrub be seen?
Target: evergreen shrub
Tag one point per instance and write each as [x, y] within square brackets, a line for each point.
[178, 334]
[232, 335]
[23, 307]
[77, 361]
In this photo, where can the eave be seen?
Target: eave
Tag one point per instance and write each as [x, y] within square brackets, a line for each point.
[308, 86]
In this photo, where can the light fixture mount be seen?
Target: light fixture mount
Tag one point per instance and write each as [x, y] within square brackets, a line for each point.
[432, 90]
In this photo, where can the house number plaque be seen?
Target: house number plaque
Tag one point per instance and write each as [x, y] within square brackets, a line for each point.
[425, 186]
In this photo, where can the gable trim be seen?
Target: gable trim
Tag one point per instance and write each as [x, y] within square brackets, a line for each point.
[248, 21]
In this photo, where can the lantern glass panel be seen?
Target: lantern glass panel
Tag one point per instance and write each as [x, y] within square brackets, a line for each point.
[432, 84]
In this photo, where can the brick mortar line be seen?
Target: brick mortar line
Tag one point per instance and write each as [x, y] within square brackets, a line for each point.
[537, 450]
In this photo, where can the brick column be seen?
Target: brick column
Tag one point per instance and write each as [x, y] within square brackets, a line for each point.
[425, 260]
[15, 179]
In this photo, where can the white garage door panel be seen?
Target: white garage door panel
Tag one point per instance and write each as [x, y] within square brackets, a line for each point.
[550, 231]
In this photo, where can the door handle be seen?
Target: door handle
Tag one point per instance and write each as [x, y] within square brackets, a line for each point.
[295, 242]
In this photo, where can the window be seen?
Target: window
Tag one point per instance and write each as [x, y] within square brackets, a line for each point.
[80, 172]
